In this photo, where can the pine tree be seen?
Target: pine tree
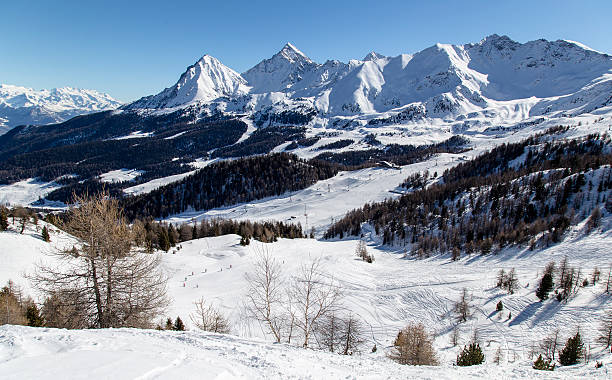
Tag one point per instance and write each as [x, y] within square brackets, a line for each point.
[179, 325]
[546, 285]
[500, 306]
[471, 355]
[33, 316]
[573, 350]
[45, 234]
[163, 239]
[169, 324]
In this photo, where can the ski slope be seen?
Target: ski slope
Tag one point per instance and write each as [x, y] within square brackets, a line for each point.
[386, 295]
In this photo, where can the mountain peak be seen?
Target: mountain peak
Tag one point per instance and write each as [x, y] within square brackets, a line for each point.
[205, 80]
[373, 56]
[280, 72]
[292, 54]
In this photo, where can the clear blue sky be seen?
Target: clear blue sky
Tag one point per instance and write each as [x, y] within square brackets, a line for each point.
[135, 48]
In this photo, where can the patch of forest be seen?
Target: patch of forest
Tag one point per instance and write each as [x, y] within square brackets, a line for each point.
[398, 154]
[261, 141]
[84, 149]
[231, 182]
[526, 192]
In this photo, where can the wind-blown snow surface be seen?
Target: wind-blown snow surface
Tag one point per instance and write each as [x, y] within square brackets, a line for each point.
[40, 353]
[21, 105]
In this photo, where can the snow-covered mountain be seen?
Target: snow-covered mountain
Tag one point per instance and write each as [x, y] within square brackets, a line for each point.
[205, 80]
[445, 80]
[21, 105]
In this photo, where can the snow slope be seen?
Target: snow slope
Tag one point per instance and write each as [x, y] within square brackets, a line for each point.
[386, 294]
[20, 105]
[26, 192]
[147, 354]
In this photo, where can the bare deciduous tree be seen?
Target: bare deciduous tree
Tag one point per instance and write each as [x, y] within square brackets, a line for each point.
[549, 345]
[11, 310]
[455, 336]
[351, 335]
[313, 298]
[105, 277]
[329, 332]
[265, 295]
[605, 331]
[208, 318]
[462, 308]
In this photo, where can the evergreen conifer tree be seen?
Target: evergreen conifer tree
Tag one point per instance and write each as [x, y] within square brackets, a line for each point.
[543, 365]
[3, 220]
[573, 350]
[164, 241]
[471, 355]
[546, 285]
[45, 234]
[179, 325]
[33, 316]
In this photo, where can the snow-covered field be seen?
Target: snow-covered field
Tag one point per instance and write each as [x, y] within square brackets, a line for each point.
[26, 192]
[386, 295]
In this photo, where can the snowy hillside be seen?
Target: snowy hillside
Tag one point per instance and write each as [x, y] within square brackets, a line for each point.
[20, 105]
[386, 295]
[147, 354]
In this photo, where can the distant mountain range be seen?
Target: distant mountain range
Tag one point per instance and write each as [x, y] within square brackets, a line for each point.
[442, 80]
[24, 106]
[349, 113]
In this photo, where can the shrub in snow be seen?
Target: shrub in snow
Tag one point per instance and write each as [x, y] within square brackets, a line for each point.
[543, 365]
[209, 318]
[414, 346]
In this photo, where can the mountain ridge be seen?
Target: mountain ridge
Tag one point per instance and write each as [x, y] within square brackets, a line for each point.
[444, 78]
[22, 105]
